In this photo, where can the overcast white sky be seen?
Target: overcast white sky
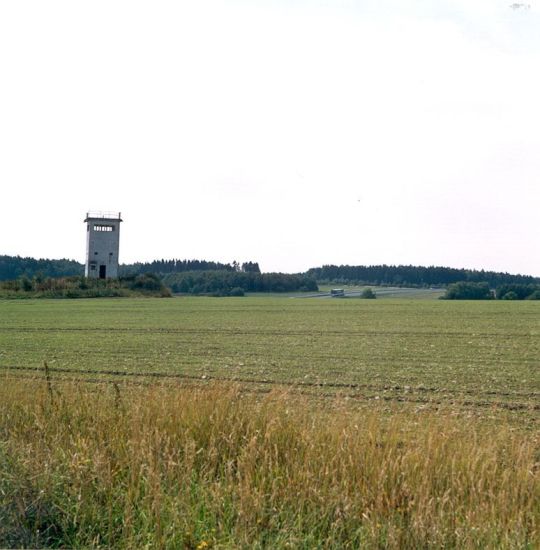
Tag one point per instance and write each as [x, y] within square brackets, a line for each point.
[293, 133]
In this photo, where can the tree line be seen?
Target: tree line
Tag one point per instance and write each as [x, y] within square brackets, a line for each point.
[181, 266]
[14, 267]
[184, 276]
[464, 290]
[414, 276]
[235, 283]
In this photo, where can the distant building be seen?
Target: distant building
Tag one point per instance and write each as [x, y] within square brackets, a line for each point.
[102, 244]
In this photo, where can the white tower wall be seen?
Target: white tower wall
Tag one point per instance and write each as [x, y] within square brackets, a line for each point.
[102, 244]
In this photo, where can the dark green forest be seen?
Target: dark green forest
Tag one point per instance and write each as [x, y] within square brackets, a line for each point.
[481, 291]
[235, 283]
[181, 266]
[207, 277]
[413, 276]
[13, 267]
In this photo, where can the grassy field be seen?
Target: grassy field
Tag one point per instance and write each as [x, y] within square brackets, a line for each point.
[479, 353]
[169, 467]
[269, 423]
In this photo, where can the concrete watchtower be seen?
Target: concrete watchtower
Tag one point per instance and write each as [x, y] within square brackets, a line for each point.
[102, 244]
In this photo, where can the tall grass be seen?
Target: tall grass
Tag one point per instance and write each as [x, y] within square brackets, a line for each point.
[170, 467]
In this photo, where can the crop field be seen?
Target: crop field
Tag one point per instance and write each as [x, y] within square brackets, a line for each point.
[228, 423]
[475, 353]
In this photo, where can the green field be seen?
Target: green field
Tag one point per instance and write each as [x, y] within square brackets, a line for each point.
[419, 351]
[394, 423]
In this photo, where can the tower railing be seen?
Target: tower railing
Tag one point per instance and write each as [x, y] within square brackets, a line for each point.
[104, 215]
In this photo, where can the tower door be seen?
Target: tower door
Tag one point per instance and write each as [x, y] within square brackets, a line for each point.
[102, 271]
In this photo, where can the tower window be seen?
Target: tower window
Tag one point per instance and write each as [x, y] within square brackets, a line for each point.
[103, 227]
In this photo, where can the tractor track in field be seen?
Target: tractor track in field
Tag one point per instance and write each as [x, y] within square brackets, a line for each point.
[257, 332]
[297, 386]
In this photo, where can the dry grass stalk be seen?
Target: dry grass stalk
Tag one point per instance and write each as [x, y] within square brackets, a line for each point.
[205, 467]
